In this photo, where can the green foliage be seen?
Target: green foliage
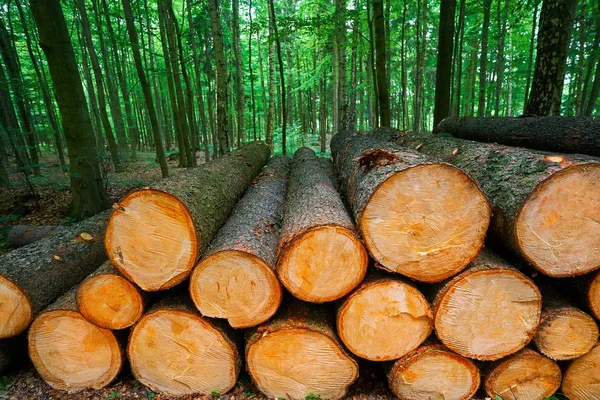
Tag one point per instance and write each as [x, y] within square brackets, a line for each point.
[312, 396]
[5, 383]
[215, 393]
[112, 395]
[250, 395]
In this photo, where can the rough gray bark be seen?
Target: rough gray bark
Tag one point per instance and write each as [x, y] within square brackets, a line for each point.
[551, 133]
[443, 75]
[22, 235]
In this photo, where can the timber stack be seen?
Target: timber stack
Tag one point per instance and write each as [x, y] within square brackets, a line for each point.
[297, 269]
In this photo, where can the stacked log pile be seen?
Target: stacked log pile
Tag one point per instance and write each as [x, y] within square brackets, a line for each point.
[388, 239]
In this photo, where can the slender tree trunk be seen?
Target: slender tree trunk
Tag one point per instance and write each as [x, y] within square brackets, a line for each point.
[404, 77]
[487, 4]
[530, 59]
[281, 77]
[252, 95]
[578, 97]
[270, 122]
[374, 111]
[419, 79]
[323, 112]
[591, 62]
[265, 105]
[382, 84]
[472, 77]
[353, 78]
[443, 77]
[239, 74]
[342, 85]
[502, 22]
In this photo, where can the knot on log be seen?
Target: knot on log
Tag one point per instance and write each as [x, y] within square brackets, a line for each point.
[377, 158]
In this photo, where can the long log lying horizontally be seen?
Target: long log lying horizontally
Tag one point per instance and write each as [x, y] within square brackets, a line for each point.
[236, 279]
[155, 235]
[109, 300]
[297, 354]
[33, 276]
[581, 381]
[174, 350]
[488, 311]
[321, 257]
[69, 352]
[551, 133]
[22, 235]
[422, 218]
[433, 372]
[545, 205]
[384, 318]
[524, 375]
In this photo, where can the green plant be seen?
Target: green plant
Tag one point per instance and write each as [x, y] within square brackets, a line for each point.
[215, 393]
[558, 396]
[151, 395]
[112, 395]
[249, 395]
[312, 396]
[5, 383]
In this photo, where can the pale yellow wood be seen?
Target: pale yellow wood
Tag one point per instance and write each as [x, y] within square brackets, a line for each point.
[384, 321]
[558, 228]
[582, 379]
[177, 352]
[324, 264]
[427, 222]
[294, 363]
[110, 301]
[15, 309]
[237, 286]
[151, 239]
[594, 295]
[71, 353]
[525, 376]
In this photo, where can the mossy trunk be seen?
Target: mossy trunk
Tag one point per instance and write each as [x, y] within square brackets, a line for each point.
[22, 235]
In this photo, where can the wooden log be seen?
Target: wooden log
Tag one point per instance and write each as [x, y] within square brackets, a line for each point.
[155, 235]
[236, 279]
[384, 319]
[174, 350]
[22, 235]
[488, 311]
[524, 375]
[35, 275]
[297, 353]
[419, 217]
[433, 372]
[550, 133]
[109, 300]
[586, 289]
[581, 381]
[565, 332]
[545, 205]
[69, 352]
[321, 256]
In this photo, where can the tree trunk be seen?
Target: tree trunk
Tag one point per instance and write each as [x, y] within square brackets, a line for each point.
[591, 103]
[556, 24]
[430, 370]
[22, 235]
[305, 333]
[579, 380]
[88, 193]
[552, 133]
[430, 242]
[404, 74]
[586, 289]
[383, 91]
[239, 74]
[175, 351]
[315, 221]
[323, 114]
[524, 375]
[179, 216]
[271, 110]
[273, 22]
[236, 279]
[384, 319]
[533, 196]
[108, 300]
[502, 22]
[341, 84]
[69, 352]
[487, 4]
[455, 95]
[443, 75]
[530, 59]
[135, 47]
[219, 54]
[421, 43]
[252, 96]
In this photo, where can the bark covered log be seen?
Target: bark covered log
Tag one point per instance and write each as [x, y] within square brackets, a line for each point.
[582, 377]
[107, 299]
[35, 275]
[545, 205]
[315, 361]
[551, 133]
[524, 375]
[22, 235]
[236, 279]
[69, 352]
[155, 234]
[432, 371]
[419, 217]
[384, 318]
[174, 350]
[321, 256]
[488, 311]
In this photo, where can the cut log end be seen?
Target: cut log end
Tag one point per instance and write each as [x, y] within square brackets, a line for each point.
[151, 239]
[237, 286]
[297, 362]
[427, 222]
[110, 301]
[384, 321]
[178, 353]
[323, 264]
[432, 372]
[558, 229]
[15, 309]
[488, 314]
[593, 296]
[71, 353]
[526, 375]
[582, 379]
[566, 333]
